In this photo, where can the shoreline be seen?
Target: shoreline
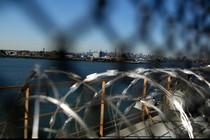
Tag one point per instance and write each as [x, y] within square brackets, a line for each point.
[111, 61]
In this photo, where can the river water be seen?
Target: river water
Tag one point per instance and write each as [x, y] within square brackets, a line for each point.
[14, 71]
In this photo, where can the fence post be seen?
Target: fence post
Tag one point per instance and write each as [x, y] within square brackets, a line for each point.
[26, 113]
[144, 97]
[102, 111]
[145, 108]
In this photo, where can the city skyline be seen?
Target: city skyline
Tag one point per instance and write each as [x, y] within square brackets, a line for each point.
[40, 53]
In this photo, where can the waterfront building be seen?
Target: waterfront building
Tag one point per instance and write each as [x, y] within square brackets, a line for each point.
[96, 54]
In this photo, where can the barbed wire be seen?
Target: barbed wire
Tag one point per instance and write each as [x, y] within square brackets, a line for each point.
[84, 98]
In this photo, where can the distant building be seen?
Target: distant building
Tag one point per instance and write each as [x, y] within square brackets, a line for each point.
[184, 58]
[96, 54]
[2, 53]
[102, 54]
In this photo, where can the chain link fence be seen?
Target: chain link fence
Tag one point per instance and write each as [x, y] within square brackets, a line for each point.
[181, 21]
[183, 28]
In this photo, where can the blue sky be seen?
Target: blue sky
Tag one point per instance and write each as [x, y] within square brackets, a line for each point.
[18, 31]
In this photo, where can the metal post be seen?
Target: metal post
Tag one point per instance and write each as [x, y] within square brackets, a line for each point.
[145, 88]
[102, 111]
[26, 113]
[144, 97]
[145, 108]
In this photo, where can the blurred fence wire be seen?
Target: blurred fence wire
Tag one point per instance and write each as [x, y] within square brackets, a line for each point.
[181, 21]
